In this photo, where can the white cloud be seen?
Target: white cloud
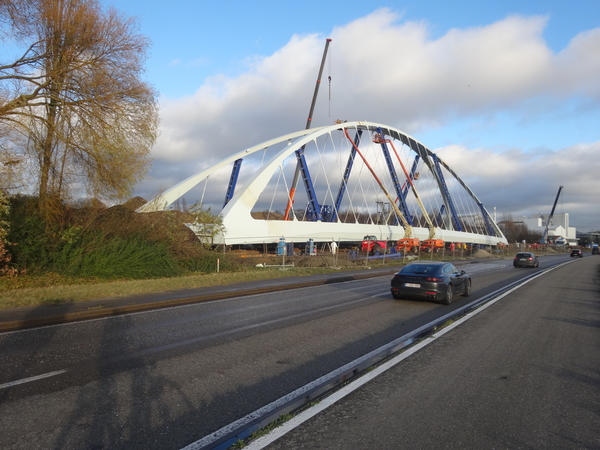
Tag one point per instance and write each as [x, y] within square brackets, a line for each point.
[576, 68]
[523, 183]
[391, 71]
[382, 71]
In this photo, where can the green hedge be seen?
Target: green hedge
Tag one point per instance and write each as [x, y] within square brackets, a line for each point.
[116, 258]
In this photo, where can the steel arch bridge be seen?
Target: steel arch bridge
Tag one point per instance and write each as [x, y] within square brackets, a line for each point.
[358, 178]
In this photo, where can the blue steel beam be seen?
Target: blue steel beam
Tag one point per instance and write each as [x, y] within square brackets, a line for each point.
[406, 184]
[440, 218]
[486, 215]
[395, 181]
[235, 172]
[486, 219]
[412, 175]
[446, 193]
[310, 189]
[344, 183]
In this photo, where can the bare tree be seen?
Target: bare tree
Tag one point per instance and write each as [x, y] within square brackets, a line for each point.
[77, 96]
[518, 232]
[11, 164]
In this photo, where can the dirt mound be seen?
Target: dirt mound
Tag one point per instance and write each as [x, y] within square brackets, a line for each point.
[266, 215]
[323, 261]
[480, 253]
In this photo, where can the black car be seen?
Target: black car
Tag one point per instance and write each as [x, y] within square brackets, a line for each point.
[433, 280]
[525, 259]
[576, 252]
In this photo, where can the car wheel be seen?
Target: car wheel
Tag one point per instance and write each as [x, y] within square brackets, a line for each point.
[448, 297]
[467, 289]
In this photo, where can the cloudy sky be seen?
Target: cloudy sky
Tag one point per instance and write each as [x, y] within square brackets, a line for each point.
[507, 93]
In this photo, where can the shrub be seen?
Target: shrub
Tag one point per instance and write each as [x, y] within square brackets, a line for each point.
[30, 234]
[117, 257]
[94, 241]
[6, 267]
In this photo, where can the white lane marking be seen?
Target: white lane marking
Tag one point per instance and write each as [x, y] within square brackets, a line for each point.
[276, 433]
[30, 379]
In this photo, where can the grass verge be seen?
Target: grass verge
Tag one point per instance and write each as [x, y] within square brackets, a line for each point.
[66, 290]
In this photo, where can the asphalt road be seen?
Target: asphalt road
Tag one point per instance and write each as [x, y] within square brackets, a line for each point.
[522, 374]
[166, 378]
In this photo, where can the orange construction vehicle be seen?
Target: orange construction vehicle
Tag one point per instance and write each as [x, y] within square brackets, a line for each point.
[432, 245]
[408, 245]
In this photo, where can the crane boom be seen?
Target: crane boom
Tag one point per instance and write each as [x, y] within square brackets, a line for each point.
[544, 238]
[308, 123]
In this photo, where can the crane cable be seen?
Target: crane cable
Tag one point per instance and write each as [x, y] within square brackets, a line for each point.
[329, 79]
[329, 96]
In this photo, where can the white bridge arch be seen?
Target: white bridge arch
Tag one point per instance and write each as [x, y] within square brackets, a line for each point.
[359, 178]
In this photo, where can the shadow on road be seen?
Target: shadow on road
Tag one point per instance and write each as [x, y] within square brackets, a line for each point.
[125, 405]
[14, 367]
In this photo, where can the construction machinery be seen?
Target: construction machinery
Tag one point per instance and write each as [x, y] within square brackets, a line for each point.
[544, 239]
[408, 245]
[432, 245]
[370, 243]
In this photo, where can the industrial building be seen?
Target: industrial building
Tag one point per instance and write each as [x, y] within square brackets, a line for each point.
[559, 231]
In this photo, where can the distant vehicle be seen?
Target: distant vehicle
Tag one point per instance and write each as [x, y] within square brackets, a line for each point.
[372, 244]
[431, 280]
[576, 252]
[595, 251]
[526, 259]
